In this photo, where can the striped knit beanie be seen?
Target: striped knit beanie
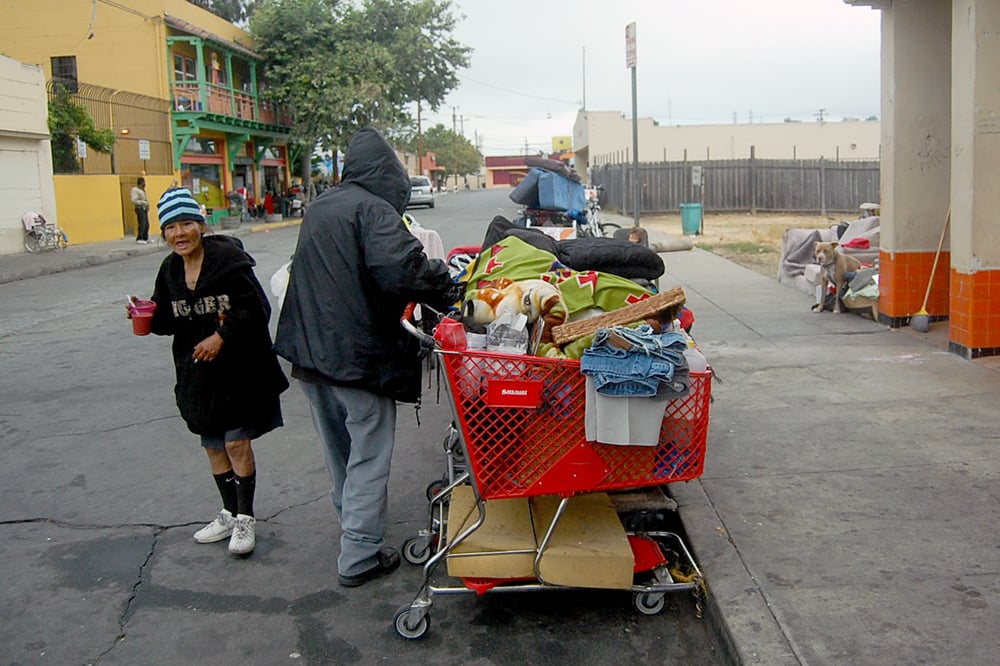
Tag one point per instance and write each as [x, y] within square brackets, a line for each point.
[177, 204]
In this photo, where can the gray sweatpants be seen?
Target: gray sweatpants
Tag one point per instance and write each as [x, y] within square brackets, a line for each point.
[356, 432]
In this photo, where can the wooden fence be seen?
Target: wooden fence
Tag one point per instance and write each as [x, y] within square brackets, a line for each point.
[793, 186]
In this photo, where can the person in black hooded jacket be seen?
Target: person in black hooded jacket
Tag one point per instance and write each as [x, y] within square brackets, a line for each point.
[354, 270]
[228, 377]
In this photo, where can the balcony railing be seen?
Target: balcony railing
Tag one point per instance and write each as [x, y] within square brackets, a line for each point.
[226, 102]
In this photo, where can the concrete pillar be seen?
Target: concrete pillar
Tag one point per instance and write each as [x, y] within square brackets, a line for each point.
[974, 316]
[916, 144]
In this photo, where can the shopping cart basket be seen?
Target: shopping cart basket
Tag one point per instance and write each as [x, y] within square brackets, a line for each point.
[526, 458]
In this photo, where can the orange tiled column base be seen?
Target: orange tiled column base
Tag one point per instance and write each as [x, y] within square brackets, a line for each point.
[902, 283]
[974, 325]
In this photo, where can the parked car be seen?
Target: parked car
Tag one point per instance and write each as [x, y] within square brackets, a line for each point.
[421, 192]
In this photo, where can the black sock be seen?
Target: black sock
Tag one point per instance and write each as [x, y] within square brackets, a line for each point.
[227, 488]
[245, 486]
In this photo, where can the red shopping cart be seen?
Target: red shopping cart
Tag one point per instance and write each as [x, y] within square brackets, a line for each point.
[524, 459]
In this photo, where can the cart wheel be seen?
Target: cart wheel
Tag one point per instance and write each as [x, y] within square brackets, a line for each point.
[649, 603]
[419, 631]
[434, 489]
[414, 552]
[32, 243]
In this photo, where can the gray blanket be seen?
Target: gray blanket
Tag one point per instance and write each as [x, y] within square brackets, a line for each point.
[797, 250]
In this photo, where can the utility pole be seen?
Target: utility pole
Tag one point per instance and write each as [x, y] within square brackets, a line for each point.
[819, 115]
[453, 110]
[420, 143]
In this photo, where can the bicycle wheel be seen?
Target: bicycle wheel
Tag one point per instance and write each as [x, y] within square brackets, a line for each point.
[608, 228]
[32, 243]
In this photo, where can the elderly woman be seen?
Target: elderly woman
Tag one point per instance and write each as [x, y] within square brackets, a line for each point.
[228, 379]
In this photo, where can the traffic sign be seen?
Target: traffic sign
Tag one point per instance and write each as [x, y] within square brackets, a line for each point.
[630, 45]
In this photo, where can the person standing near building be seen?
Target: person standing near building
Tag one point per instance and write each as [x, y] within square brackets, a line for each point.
[354, 270]
[228, 377]
[141, 203]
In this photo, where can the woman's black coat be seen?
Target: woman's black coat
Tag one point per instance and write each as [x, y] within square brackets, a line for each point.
[238, 388]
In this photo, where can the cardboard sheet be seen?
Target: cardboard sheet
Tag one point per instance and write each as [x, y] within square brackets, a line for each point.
[588, 549]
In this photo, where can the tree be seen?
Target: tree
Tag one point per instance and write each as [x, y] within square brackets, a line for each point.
[336, 67]
[69, 121]
[234, 11]
[328, 81]
[454, 152]
[418, 35]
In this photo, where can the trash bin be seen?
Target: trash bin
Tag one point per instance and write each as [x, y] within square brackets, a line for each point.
[691, 219]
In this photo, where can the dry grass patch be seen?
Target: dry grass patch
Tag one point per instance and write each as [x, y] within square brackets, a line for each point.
[753, 241]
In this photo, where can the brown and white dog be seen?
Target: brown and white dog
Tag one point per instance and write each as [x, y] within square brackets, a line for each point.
[834, 267]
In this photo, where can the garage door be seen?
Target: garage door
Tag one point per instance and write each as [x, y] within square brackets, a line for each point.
[20, 189]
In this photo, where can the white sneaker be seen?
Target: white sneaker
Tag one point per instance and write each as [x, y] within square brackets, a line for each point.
[217, 530]
[244, 536]
[140, 241]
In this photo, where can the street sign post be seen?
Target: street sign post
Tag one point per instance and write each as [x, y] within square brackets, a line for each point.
[630, 60]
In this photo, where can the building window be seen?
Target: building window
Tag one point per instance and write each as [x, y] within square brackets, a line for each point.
[201, 146]
[64, 72]
[184, 69]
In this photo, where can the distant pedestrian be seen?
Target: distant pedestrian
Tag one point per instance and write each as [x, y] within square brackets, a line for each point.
[228, 378]
[141, 203]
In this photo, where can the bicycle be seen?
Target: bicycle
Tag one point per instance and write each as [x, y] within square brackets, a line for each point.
[40, 235]
[593, 226]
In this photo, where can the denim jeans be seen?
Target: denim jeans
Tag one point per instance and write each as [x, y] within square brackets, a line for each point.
[645, 369]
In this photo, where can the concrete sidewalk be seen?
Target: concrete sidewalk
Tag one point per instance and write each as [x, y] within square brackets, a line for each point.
[849, 508]
[848, 511]
[23, 266]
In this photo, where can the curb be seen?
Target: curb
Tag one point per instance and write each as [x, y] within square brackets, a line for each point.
[267, 226]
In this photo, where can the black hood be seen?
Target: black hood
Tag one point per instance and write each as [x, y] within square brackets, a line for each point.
[227, 255]
[372, 163]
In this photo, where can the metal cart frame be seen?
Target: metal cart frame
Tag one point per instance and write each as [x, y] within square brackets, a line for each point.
[518, 432]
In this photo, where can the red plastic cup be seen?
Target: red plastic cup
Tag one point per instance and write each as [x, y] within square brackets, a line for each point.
[142, 323]
[451, 334]
[139, 305]
[142, 315]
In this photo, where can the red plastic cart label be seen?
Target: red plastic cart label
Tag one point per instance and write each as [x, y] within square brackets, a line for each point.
[517, 393]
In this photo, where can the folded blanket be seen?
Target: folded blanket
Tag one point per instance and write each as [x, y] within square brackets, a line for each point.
[578, 291]
[610, 255]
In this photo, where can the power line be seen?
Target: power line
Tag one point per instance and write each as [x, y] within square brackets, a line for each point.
[517, 92]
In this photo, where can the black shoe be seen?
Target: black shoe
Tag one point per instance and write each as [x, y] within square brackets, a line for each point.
[388, 561]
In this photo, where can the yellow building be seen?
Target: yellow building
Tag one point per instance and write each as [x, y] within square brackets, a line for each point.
[179, 86]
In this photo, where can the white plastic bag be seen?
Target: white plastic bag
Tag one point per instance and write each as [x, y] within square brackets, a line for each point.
[279, 282]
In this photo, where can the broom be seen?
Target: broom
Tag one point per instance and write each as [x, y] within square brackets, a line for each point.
[921, 321]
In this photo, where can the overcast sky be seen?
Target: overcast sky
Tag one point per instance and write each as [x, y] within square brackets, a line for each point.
[699, 62]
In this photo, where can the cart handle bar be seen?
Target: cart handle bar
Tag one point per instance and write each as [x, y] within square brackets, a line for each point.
[407, 323]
